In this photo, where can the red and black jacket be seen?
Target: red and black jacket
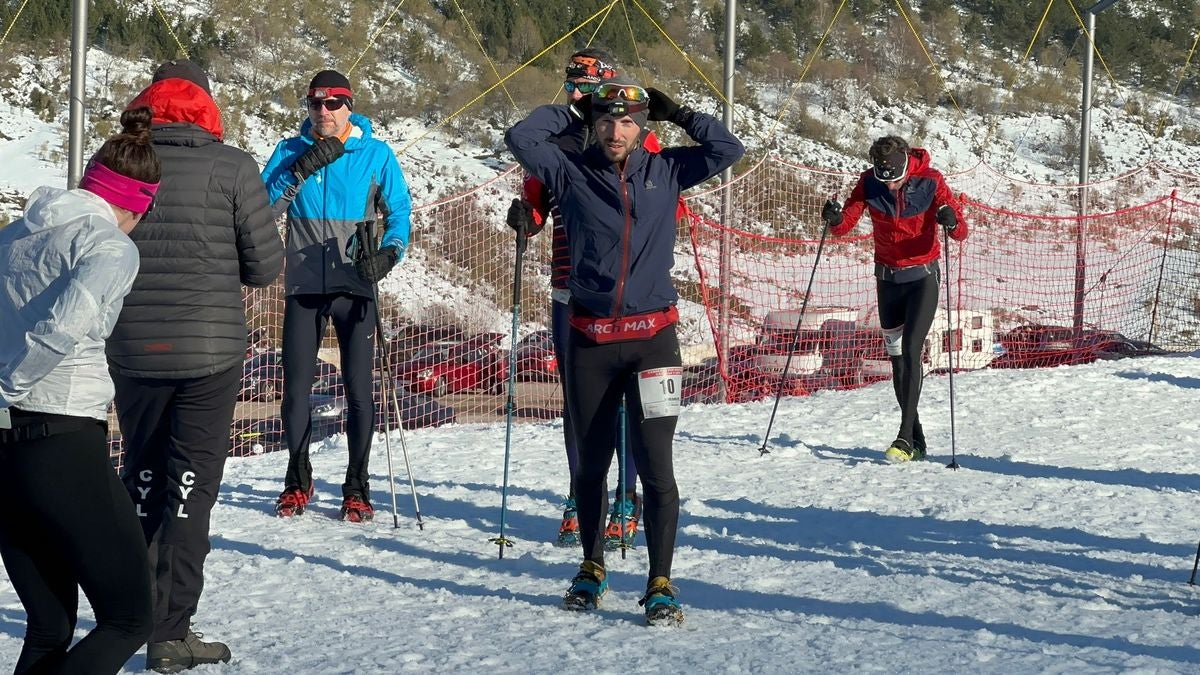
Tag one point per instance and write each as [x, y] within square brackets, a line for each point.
[903, 222]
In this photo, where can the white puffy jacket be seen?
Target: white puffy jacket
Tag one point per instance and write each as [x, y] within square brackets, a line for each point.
[65, 269]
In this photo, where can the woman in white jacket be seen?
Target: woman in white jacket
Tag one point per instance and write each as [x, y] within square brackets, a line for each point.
[66, 521]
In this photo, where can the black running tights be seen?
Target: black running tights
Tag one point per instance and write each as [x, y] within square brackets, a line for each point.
[66, 522]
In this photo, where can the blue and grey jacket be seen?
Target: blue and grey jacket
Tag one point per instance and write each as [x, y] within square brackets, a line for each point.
[620, 221]
[365, 184]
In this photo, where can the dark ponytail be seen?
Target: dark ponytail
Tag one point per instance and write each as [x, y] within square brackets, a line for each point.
[131, 153]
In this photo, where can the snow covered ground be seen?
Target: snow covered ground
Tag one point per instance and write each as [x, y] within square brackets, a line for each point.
[1062, 545]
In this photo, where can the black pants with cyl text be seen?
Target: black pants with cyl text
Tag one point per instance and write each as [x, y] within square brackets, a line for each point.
[176, 438]
[66, 523]
[911, 305]
[304, 321]
[600, 375]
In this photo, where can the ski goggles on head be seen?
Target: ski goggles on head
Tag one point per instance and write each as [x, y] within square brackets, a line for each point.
[619, 100]
[583, 87]
[892, 168]
[589, 66]
[632, 93]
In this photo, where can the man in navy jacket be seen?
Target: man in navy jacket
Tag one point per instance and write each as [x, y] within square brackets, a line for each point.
[618, 205]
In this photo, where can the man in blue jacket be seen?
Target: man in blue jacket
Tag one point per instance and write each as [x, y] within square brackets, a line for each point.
[618, 205]
[331, 177]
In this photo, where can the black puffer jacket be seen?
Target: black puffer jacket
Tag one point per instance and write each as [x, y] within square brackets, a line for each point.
[210, 232]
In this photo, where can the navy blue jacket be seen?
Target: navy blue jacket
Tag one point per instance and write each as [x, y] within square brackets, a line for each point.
[620, 222]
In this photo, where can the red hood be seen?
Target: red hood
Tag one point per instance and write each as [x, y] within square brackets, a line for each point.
[177, 100]
[918, 160]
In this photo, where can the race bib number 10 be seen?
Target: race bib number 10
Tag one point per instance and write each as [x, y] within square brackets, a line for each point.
[660, 389]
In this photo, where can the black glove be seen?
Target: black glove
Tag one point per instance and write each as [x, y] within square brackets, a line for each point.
[947, 218]
[375, 266]
[322, 153]
[520, 217]
[662, 108]
[582, 109]
[831, 213]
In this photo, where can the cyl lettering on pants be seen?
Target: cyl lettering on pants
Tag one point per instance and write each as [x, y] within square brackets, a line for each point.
[186, 480]
[144, 476]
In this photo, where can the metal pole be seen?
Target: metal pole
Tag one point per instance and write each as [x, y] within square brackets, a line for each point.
[1085, 139]
[78, 74]
[723, 276]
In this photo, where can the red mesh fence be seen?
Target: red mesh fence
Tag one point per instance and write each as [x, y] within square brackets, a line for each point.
[447, 307]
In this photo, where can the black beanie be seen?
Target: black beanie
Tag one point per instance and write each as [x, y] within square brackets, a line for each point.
[332, 83]
[184, 70]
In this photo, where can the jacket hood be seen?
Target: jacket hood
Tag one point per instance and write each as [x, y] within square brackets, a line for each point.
[918, 160]
[360, 130]
[176, 100]
[54, 207]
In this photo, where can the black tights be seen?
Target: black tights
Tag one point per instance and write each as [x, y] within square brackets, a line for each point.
[909, 305]
[600, 375]
[66, 522]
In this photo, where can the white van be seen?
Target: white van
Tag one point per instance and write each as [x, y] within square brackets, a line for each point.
[817, 345]
[969, 342]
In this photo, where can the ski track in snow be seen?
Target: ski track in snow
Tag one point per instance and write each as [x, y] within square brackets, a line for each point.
[1063, 545]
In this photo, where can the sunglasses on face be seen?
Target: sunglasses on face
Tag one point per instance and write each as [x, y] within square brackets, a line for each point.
[150, 206]
[622, 92]
[583, 87]
[329, 104]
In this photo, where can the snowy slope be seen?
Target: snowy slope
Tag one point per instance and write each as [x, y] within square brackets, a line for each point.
[1063, 545]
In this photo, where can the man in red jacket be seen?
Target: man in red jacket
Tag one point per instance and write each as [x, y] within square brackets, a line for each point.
[907, 201]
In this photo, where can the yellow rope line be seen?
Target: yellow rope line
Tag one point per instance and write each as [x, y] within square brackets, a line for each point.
[14, 21]
[374, 36]
[715, 88]
[590, 40]
[170, 30]
[807, 66]
[507, 77]
[1016, 73]
[1091, 44]
[633, 42]
[936, 71]
[1182, 74]
[482, 50]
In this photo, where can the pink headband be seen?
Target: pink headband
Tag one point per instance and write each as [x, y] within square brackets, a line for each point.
[117, 189]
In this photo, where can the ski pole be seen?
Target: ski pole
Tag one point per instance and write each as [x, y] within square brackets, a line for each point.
[367, 247]
[1196, 564]
[622, 472]
[950, 353]
[501, 541]
[795, 343]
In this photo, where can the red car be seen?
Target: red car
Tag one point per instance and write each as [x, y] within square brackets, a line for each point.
[473, 364]
[536, 360]
[1039, 346]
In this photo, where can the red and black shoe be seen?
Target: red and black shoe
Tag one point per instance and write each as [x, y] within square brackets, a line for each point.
[293, 501]
[357, 510]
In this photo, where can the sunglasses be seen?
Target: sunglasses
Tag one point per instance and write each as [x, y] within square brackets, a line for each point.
[150, 206]
[583, 87]
[329, 104]
[622, 92]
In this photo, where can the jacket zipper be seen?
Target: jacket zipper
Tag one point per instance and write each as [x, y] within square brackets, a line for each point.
[324, 231]
[617, 303]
